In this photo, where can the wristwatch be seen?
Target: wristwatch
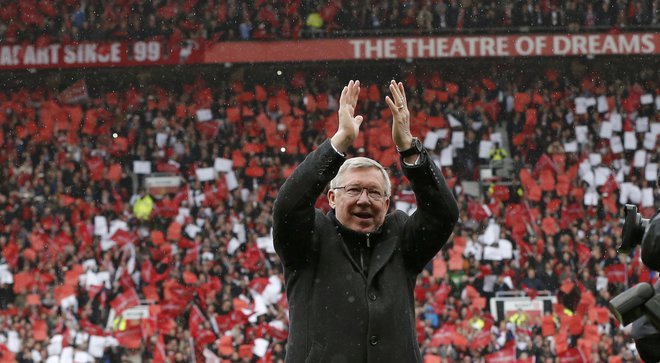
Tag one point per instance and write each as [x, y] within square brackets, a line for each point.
[416, 148]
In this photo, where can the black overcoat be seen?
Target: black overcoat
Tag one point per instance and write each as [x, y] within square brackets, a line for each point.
[336, 313]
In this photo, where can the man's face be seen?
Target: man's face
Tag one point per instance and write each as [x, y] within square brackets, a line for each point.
[364, 212]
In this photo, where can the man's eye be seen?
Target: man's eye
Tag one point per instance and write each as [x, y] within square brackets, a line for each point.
[353, 191]
[375, 194]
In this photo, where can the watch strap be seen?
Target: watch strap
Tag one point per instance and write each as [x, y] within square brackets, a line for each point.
[416, 148]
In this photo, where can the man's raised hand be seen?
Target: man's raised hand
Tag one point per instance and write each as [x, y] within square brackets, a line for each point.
[401, 134]
[349, 124]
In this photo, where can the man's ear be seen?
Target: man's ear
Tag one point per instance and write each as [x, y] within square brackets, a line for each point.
[331, 198]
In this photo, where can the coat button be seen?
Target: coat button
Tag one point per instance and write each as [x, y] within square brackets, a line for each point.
[373, 340]
[372, 296]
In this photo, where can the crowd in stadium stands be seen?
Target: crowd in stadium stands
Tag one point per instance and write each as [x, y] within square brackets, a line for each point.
[83, 239]
[45, 22]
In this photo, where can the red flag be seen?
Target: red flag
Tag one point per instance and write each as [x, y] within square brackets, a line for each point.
[561, 343]
[600, 315]
[567, 286]
[75, 93]
[192, 255]
[204, 337]
[587, 301]
[83, 234]
[575, 326]
[259, 284]
[126, 281]
[548, 327]
[125, 300]
[442, 337]
[532, 293]
[199, 333]
[476, 211]
[130, 338]
[616, 273]
[251, 258]
[228, 321]
[181, 293]
[501, 192]
[147, 272]
[90, 328]
[571, 356]
[502, 356]
[277, 333]
[174, 232]
[157, 238]
[172, 308]
[22, 282]
[584, 253]
[610, 186]
[5, 354]
[10, 253]
[515, 214]
[96, 168]
[525, 248]
[481, 340]
[122, 237]
[159, 351]
[246, 351]
[196, 321]
[442, 292]
[39, 330]
[459, 341]
[544, 163]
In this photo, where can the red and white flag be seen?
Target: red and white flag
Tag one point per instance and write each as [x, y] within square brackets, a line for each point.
[122, 237]
[130, 338]
[507, 354]
[571, 356]
[616, 273]
[199, 333]
[75, 93]
[125, 300]
[159, 351]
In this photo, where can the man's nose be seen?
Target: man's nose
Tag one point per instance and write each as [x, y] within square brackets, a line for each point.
[363, 198]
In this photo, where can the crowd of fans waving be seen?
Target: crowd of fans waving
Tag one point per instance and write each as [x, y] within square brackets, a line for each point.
[82, 240]
[45, 22]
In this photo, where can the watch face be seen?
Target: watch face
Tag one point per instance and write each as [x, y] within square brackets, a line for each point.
[415, 148]
[417, 145]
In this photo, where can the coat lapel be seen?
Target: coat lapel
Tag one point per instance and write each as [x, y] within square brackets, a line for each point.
[342, 243]
[379, 257]
[346, 252]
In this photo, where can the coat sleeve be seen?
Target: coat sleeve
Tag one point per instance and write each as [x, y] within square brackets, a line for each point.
[429, 227]
[293, 211]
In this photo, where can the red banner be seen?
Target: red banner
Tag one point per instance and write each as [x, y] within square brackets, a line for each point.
[571, 356]
[76, 92]
[434, 47]
[106, 54]
[153, 52]
[507, 354]
[125, 300]
[616, 273]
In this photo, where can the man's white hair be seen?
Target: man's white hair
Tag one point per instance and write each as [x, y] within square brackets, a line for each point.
[361, 162]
